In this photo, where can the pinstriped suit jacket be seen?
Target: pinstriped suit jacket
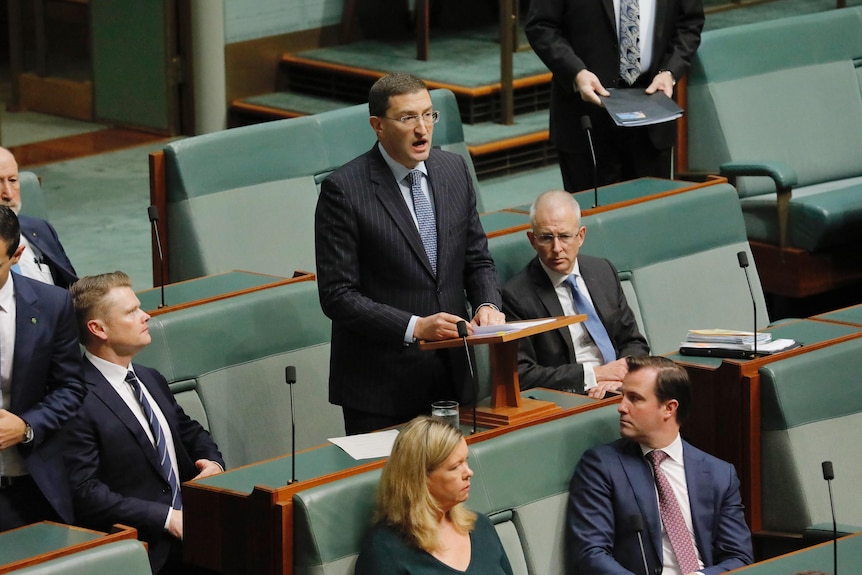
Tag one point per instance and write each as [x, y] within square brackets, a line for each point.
[373, 274]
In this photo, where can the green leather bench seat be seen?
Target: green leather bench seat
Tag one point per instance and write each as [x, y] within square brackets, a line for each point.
[676, 257]
[227, 358]
[32, 196]
[523, 489]
[128, 556]
[802, 108]
[811, 412]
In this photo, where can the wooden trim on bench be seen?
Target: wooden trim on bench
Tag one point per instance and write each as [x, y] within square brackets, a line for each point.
[502, 145]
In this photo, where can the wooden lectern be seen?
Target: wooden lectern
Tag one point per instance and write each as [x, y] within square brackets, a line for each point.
[506, 404]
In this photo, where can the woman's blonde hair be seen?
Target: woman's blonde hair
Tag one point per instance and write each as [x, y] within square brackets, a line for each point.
[403, 499]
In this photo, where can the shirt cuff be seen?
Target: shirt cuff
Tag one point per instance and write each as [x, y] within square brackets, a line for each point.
[411, 325]
[168, 518]
[589, 377]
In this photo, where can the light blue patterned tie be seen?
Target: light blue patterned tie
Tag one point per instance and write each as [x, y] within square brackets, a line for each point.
[424, 217]
[593, 324]
[630, 53]
[159, 439]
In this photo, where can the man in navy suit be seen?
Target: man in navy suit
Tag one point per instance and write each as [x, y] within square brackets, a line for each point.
[44, 258]
[383, 286]
[579, 42]
[41, 387]
[113, 446]
[569, 358]
[690, 507]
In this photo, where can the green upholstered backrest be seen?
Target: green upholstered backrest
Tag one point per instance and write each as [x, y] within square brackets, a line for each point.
[235, 351]
[801, 101]
[811, 412]
[33, 202]
[679, 252]
[128, 556]
[527, 498]
[511, 252]
[244, 198]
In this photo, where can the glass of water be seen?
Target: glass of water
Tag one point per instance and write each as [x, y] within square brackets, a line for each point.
[447, 411]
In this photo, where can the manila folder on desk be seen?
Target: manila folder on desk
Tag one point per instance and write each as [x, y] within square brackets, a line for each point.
[634, 107]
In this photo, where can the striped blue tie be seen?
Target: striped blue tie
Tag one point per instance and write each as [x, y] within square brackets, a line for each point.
[424, 217]
[159, 439]
[593, 324]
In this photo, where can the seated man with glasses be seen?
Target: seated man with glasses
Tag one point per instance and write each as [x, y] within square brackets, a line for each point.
[399, 245]
[586, 357]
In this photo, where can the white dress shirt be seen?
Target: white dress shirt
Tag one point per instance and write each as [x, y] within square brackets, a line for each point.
[11, 462]
[587, 353]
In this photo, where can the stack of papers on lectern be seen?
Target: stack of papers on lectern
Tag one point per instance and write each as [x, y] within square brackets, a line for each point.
[732, 343]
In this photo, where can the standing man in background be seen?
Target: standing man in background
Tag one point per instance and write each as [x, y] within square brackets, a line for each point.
[41, 387]
[44, 258]
[591, 46]
[399, 245]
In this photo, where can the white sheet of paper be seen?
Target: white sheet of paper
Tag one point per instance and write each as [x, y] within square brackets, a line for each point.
[509, 327]
[367, 445]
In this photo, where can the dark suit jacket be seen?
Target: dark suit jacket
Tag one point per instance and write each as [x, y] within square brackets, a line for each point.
[47, 384]
[572, 36]
[613, 482]
[373, 274]
[42, 236]
[113, 467]
[548, 359]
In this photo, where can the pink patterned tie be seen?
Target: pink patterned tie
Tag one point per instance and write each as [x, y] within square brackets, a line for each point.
[671, 516]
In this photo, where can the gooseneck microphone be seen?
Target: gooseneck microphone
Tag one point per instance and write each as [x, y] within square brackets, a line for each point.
[462, 333]
[743, 263]
[637, 524]
[587, 126]
[829, 475]
[290, 379]
[153, 212]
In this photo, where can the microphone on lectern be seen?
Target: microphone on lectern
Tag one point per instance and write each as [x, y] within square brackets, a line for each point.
[637, 523]
[742, 257]
[829, 475]
[462, 333]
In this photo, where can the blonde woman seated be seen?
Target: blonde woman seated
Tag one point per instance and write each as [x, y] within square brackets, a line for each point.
[422, 526]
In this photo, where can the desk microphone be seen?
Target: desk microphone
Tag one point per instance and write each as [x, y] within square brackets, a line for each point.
[743, 263]
[587, 126]
[829, 475]
[637, 523]
[153, 212]
[462, 333]
[290, 379]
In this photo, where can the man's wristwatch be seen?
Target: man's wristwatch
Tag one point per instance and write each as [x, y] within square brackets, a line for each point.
[28, 434]
[672, 79]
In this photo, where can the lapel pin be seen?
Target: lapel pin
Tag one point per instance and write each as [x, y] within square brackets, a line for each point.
[34, 321]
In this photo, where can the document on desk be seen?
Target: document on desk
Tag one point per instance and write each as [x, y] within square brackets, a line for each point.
[367, 445]
[634, 107]
[509, 327]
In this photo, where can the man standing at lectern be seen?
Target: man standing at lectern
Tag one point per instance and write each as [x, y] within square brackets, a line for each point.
[687, 502]
[584, 357]
[399, 248]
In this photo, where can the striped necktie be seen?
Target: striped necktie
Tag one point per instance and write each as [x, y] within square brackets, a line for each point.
[159, 440]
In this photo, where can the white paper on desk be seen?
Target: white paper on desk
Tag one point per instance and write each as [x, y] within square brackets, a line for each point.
[509, 327]
[367, 445]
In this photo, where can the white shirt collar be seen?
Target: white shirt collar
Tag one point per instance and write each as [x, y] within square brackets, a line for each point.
[7, 293]
[115, 374]
[557, 278]
[398, 170]
[674, 450]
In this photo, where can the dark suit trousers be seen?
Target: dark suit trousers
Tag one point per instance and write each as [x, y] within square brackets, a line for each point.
[22, 504]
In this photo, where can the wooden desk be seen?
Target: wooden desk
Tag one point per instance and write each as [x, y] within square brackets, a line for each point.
[725, 415]
[246, 514]
[44, 541]
[199, 291]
